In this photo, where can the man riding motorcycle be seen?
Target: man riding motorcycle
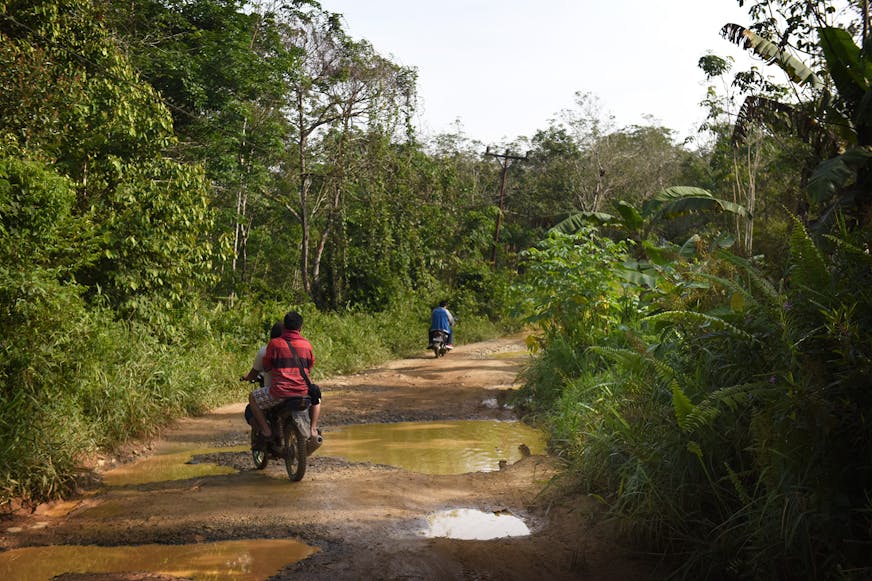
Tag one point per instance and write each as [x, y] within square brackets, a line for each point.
[441, 319]
[284, 356]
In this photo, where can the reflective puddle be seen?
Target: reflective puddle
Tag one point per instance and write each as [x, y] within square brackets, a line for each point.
[168, 466]
[243, 560]
[449, 447]
[471, 524]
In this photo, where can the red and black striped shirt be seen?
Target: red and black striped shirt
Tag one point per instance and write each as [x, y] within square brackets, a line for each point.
[287, 381]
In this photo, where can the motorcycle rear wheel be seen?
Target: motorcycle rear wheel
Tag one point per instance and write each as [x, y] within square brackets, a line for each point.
[295, 451]
[259, 456]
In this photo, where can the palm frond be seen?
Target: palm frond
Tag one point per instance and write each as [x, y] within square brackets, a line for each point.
[699, 320]
[773, 297]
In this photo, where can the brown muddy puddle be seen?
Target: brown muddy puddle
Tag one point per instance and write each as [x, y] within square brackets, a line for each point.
[176, 464]
[250, 560]
[444, 447]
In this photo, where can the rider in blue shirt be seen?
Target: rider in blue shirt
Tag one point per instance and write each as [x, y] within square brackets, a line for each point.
[442, 320]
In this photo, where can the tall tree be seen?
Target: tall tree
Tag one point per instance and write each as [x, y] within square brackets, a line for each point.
[340, 86]
[221, 69]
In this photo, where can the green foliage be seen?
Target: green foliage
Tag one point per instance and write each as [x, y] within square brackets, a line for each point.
[136, 226]
[729, 428]
[571, 288]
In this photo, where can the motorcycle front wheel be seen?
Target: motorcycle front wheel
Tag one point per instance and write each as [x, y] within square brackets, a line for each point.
[257, 455]
[295, 451]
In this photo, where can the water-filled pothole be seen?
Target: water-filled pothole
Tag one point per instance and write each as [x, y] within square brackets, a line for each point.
[445, 447]
[238, 560]
[162, 467]
[471, 524]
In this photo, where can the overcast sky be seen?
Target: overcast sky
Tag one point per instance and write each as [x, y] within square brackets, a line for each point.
[503, 68]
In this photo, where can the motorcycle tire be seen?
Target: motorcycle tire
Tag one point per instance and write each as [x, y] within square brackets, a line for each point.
[294, 446]
[259, 457]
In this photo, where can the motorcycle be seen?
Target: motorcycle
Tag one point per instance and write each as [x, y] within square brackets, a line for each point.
[291, 426]
[438, 343]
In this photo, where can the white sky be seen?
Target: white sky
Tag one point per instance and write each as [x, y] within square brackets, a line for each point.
[503, 68]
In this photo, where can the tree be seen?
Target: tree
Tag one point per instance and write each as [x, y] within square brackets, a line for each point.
[221, 70]
[104, 131]
[340, 85]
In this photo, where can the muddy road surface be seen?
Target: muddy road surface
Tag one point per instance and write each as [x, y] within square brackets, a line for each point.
[191, 504]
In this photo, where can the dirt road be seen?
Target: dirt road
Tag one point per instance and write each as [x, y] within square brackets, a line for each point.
[354, 520]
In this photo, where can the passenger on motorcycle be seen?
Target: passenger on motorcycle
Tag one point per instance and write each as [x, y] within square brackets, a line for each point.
[257, 366]
[287, 379]
[441, 319]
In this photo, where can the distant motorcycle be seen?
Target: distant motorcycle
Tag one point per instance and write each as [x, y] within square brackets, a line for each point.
[291, 426]
[438, 343]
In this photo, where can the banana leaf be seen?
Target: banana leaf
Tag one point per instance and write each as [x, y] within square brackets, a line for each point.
[850, 71]
[632, 219]
[678, 200]
[832, 175]
[575, 222]
[798, 71]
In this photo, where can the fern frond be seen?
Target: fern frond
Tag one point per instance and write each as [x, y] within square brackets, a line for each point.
[632, 360]
[683, 408]
[697, 417]
[732, 396]
[638, 362]
[773, 297]
[728, 284]
[861, 253]
[809, 268]
[701, 320]
[738, 486]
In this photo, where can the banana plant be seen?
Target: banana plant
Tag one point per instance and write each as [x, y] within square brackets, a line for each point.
[844, 176]
[668, 203]
[637, 224]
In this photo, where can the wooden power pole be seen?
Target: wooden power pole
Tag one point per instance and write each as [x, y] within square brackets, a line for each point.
[505, 161]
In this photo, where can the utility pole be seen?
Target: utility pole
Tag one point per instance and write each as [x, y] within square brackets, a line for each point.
[505, 161]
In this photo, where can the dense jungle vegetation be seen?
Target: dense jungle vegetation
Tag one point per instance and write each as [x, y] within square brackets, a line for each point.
[176, 174]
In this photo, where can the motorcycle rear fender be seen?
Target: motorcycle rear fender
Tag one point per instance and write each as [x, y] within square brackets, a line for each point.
[438, 336]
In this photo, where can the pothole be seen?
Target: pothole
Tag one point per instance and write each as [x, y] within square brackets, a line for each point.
[474, 525]
[161, 467]
[442, 447]
[228, 560]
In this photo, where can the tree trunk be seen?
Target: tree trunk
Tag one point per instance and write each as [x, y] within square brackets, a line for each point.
[304, 197]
